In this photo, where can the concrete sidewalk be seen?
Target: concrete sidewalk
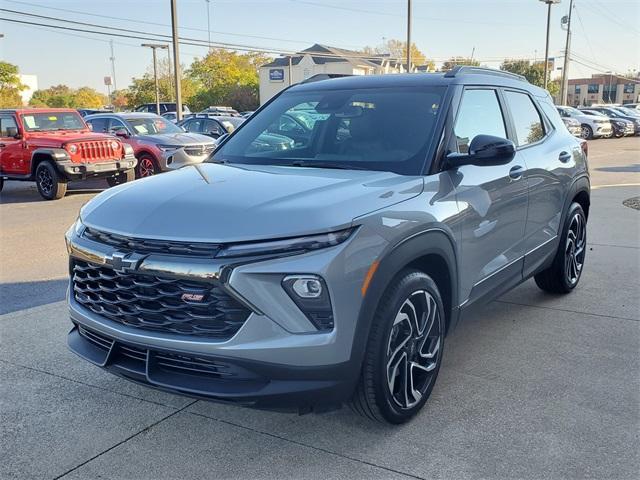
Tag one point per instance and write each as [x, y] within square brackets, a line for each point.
[536, 386]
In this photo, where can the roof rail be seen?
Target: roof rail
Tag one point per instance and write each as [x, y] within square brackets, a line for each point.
[464, 69]
[325, 76]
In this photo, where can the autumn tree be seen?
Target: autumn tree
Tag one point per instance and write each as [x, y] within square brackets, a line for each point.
[143, 89]
[10, 86]
[397, 49]
[456, 61]
[225, 77]
[63, 96]
[533, 72]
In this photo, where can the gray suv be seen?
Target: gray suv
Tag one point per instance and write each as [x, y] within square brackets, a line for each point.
[330, 272]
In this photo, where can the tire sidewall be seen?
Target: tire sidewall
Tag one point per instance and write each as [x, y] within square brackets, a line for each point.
[573, 209]
[404, 285]
[138, 168]
[55, 179]
[589, 130]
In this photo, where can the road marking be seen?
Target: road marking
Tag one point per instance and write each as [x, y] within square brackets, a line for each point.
[596, 187]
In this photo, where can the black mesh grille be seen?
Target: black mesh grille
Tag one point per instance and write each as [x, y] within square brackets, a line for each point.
[142, 245]
[157, 303]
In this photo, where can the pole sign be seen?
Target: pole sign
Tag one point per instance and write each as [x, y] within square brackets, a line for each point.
[108, 81]
[276, 75]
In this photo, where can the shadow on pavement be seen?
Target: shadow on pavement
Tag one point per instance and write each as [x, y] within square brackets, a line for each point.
[20, 295]
[27, 192]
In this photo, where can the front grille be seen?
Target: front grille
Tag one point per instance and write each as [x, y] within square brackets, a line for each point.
[197, 150]
[156, 303]
[142, 245]
[97, 150]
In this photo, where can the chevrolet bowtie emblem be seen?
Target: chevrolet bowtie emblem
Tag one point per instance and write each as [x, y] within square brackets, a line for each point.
[123, 262]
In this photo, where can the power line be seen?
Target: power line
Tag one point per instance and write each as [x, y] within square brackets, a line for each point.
[602, 10]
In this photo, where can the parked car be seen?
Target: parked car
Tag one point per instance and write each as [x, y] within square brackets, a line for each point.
[158, 144]
[622, 126]
[635, 106]
[331, 272]
[618, 113]
[88, 111]
[53, 146]
[210, 125]
[164, 108]
[633, 112]
[220, 110]
[592, 126]
[573, 126]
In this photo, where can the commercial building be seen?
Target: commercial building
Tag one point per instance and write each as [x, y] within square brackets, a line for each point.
[31, 82]
[603, 88]
[284, 71]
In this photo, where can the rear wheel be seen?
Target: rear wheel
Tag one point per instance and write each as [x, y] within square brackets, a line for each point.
[51, 185]
[404, 350]
[586, 132]
[147, 166]
[564, 273]
[122, 177]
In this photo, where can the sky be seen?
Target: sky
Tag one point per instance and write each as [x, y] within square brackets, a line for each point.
[606, 33]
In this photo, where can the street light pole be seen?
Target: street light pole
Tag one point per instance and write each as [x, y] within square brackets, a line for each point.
[209, 22]
[565, 67]
[154, 47]
[176, 59]
[409, 36]
[546, 48]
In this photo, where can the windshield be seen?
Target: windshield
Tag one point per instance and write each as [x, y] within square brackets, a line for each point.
[572, 111]
[152, 126]
[386, 129]
[52, 121]
[628, 111]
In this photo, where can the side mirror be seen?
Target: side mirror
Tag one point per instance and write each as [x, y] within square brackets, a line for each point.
[484, 150]
[121, 132]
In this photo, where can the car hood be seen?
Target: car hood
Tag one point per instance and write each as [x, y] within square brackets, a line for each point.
[223, 203]
[57, 139]
[179, 138]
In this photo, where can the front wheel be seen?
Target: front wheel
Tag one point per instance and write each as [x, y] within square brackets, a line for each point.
[586, 132]
[122, 177]
[564, 273]
[51, 185]
[404, 350]
[146, 167]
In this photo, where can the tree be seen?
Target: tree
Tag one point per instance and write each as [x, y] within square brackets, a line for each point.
[397, 49]
[62, 96]
[10, 86]
[533, 72]
[143, 90]
[226, 78]
[455, 61]
[120, 101]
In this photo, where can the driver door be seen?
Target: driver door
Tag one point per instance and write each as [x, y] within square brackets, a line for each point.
[492, 200]
[13, 157]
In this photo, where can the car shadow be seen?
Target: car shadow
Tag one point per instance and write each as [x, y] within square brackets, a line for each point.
[27, 192]
[15, 296]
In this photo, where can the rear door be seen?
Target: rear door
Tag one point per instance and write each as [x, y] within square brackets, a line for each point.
[492, 201]
[12, 152]
[549, 154]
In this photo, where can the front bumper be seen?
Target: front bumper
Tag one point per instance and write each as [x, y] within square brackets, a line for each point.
[75, 170]
[283, 360]
[602, 130]
[174, 159]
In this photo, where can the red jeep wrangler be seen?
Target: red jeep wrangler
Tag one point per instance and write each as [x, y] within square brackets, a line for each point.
[53, 146]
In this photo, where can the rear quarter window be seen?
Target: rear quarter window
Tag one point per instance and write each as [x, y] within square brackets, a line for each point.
[528, 124]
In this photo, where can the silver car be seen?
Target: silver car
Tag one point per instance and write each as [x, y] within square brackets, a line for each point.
[330, 272]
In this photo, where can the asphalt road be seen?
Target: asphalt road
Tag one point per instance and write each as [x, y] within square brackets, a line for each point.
[536, 386]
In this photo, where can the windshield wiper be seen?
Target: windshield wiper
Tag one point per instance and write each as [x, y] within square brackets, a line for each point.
[321, 164]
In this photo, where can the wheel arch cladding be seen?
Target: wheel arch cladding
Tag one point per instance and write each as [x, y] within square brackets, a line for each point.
[40, 156]
[431, 252]
[582, 197]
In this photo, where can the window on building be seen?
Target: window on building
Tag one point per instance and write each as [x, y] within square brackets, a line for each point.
[629, 88]
[526, 118]
[577, 90]
[593, 88]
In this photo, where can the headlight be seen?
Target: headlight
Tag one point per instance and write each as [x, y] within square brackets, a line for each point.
[169, 148]
[310, 294]
[72, 148]
[75, 230]
[114, 145]
[128, 149]
[290, 245]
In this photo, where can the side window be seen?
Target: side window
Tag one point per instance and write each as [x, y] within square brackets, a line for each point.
[98, 124]
[193, 126]
[479, 114]
[8, 126]
[211, 127]
[526, 118]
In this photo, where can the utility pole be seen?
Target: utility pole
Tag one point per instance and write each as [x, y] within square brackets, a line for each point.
[113, 66]
[567, 54]
[409, 36]
[176, 59]
[546, 48]
[154, 47]
[209, 22]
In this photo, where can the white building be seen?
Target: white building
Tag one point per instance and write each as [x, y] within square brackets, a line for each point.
[31, 82]
[284, 71]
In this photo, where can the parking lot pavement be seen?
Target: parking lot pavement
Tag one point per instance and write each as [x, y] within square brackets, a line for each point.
[534, 386]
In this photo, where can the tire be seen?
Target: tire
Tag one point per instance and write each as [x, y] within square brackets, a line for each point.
[122, 177]
[564, 273]
[587, 132]
[51, 185]
[381, 393]
[1, 183]
[618, 135]
[147, 166]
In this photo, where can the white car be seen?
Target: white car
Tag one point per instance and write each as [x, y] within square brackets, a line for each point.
[593, 126]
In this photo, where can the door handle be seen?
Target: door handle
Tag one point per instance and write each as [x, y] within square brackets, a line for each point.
[564, 157]
[2, 145]
[516, 172]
